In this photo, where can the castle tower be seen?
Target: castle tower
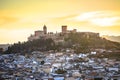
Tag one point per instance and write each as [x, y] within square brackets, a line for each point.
[45, 29]
[64, 29]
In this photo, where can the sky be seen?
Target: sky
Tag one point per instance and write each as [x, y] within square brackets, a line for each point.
[20, 18]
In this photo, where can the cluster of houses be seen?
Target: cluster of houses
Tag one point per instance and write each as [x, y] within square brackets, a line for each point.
[57, 66]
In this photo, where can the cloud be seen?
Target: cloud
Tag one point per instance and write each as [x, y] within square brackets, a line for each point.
[33, 20]
[99, 18]
[105, 21]
[64, 18]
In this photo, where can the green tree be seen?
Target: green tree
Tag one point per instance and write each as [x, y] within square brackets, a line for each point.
[60, 71]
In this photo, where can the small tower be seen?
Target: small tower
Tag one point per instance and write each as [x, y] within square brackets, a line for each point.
[45, 29]
[64, 29]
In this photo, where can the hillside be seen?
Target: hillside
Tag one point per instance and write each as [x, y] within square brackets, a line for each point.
[29, 46]
[76, 41]
[85, 44]
[112, 38]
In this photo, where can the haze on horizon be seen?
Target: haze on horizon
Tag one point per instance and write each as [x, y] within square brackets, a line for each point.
[20, 18]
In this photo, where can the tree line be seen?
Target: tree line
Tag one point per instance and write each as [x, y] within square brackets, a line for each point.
[29, 46]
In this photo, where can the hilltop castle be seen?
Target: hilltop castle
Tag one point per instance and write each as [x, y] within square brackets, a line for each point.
[58, 37]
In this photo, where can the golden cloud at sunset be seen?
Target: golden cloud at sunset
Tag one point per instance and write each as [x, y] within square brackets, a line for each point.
[99, 18]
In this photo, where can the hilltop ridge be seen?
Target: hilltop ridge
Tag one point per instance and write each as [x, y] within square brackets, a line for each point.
[77, 41]
[112, 38]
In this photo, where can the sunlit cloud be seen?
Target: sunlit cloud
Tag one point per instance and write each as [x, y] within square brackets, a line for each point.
[33, 20]
[99, 18]
[105, 21]
[86, 16]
